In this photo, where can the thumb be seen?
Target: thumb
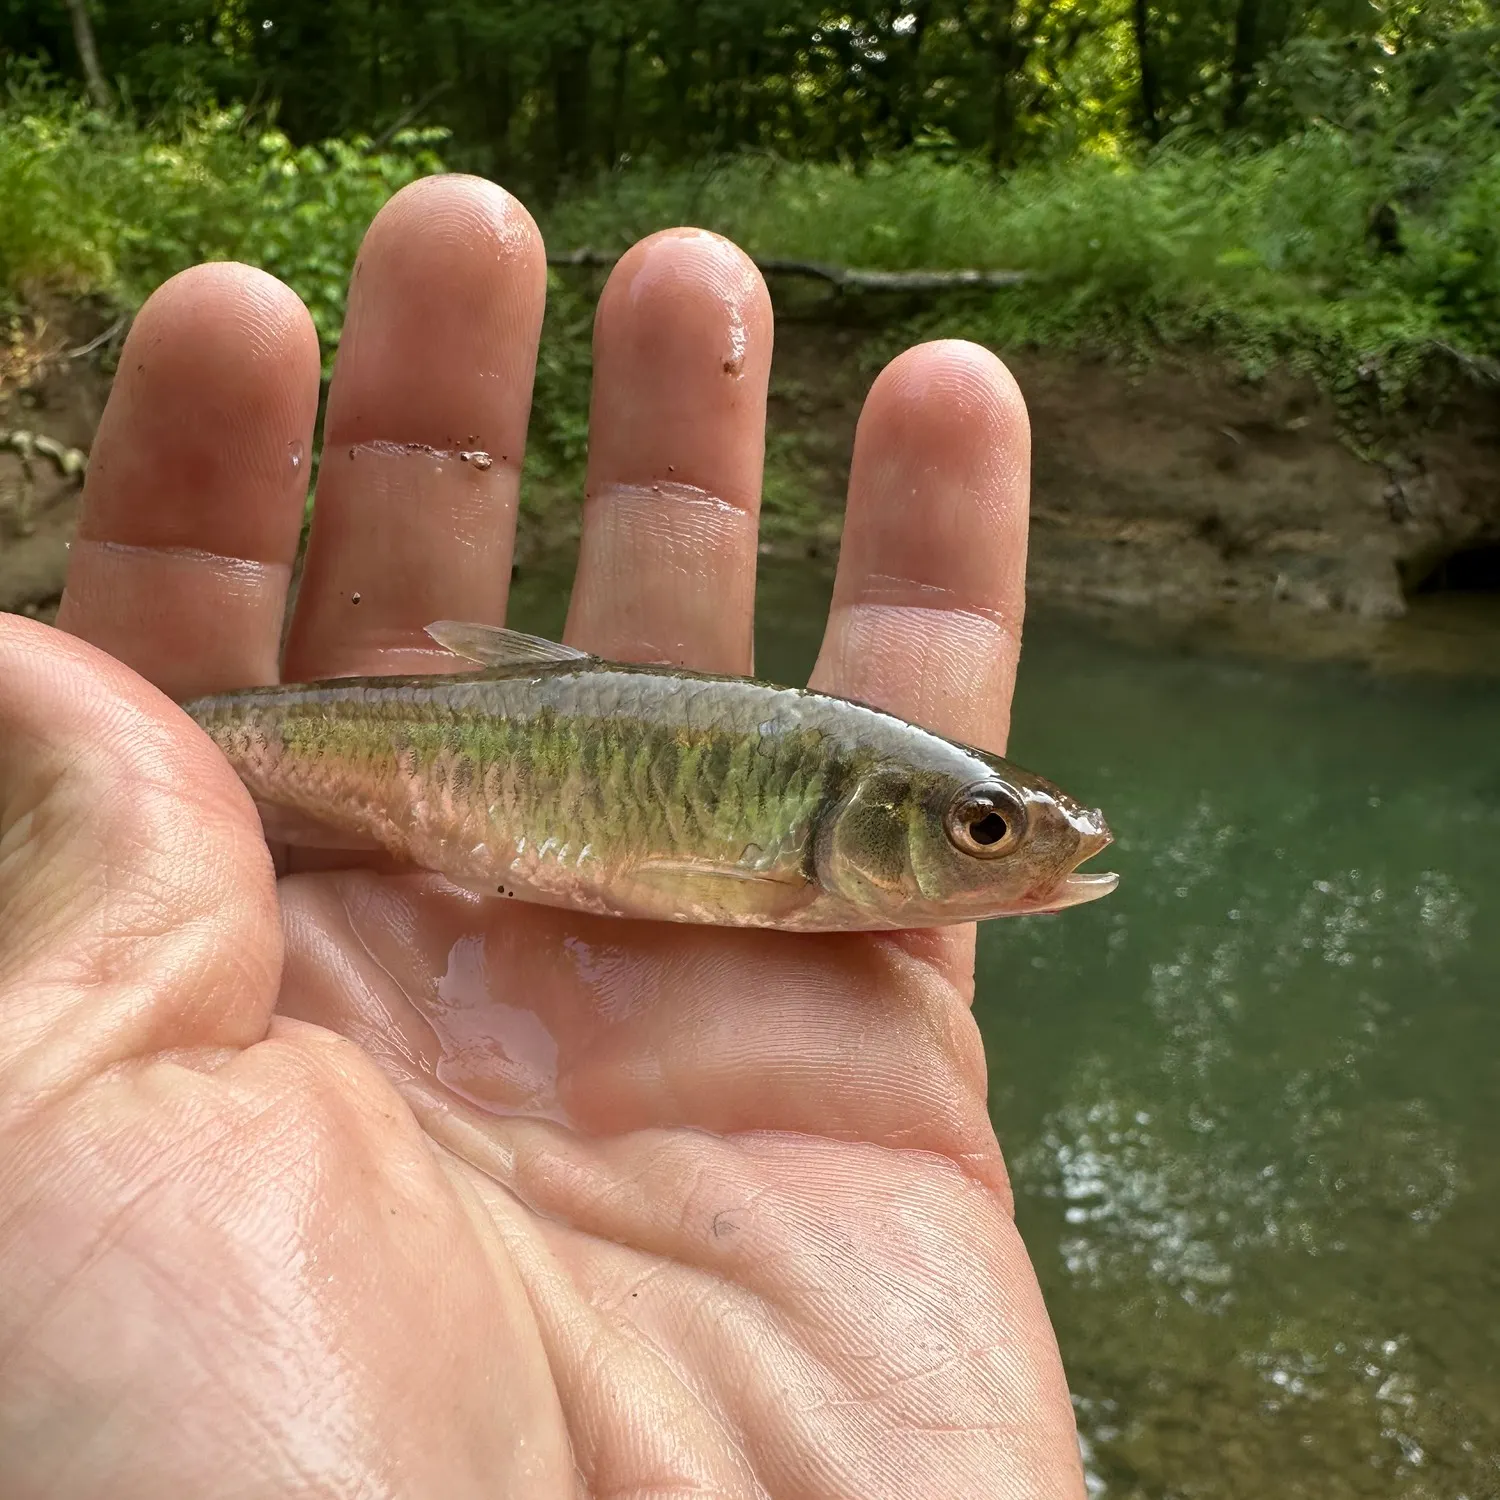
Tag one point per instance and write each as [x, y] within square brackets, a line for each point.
[138, 906]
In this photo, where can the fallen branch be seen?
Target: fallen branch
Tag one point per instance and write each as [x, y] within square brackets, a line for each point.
[71, 463]
[845, 278]
[1478, 365]
[108, 336]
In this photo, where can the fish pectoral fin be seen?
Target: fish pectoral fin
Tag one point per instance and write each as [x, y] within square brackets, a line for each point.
[733, 889]
[287, 825]
[665, 869]
[494, 646]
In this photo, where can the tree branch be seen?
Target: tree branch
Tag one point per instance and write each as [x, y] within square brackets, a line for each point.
[846, 278]
[88, 56]
[406, 117]
[107, 337]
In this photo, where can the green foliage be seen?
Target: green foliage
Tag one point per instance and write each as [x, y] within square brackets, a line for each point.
[88, 203]
[1342, 233]
[1263, 256]
[1192, 241]
[549, 91]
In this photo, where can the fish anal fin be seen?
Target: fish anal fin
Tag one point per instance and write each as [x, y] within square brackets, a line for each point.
[726, 889]
[494, 646]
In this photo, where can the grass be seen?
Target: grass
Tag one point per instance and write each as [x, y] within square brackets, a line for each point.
[1263, 257]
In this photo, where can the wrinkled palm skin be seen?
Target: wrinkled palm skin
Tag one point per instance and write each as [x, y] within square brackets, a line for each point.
[320, 1179]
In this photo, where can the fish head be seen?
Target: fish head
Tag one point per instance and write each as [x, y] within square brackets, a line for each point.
[969, 838]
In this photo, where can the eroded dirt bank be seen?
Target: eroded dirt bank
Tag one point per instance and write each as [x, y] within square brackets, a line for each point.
[1184, 488]
[1179, 492]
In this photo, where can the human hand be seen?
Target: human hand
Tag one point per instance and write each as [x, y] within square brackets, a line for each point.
[352, 1185]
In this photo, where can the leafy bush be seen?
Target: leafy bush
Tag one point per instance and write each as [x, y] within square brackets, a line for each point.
[93, 204]
[1190, 238]
[1265, 254]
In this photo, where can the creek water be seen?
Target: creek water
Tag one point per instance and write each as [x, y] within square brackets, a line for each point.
[1251, 1102]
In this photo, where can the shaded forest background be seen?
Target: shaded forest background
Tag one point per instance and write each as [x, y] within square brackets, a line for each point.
[541, 94]
[1304, 185]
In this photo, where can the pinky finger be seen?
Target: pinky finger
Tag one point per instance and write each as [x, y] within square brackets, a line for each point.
[927, 606]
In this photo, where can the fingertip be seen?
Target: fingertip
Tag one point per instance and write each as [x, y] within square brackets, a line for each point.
[445, 311]
[231, 297]
[461, 210]
[426, 429]
[682, 357]
[940, 480]
[930, 590]
[196, 483]
[952, 402]
[682, 281]
[457, 222]
[208, 419]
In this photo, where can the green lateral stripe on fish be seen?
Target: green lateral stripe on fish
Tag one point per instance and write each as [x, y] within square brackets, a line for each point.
[558, 777]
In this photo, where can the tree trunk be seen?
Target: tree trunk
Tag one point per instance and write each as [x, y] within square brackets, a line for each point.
[900, 96]
[1150, 87]
[1243, 60]
[500, 108]
[615, 126]
[747, 102]
[1006, 58]
[375, 79]
[487, 91]
[570, 104]
[911, 105]
[680, 71]
[88, 56]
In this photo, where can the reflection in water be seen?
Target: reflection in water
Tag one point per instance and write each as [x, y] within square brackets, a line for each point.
[1251, 1102]
[1256, 1176]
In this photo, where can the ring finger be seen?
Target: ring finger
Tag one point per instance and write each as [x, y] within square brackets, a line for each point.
[682, 347]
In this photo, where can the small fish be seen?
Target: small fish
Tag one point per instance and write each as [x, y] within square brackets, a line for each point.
[558, 777]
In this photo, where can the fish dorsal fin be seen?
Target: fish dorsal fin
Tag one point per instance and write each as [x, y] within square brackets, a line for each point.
[494, 646]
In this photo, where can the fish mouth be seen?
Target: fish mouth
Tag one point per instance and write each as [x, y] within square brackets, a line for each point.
[1075, 888]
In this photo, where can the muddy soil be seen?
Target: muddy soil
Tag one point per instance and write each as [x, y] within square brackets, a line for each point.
[1180, 493]
[1186, 492]
[53, 387]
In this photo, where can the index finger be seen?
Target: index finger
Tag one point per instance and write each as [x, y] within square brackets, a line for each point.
[196, 484]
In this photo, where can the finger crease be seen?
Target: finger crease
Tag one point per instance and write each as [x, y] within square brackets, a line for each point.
[245, 568]
[938, 621]
[672, 492]
[892, 589]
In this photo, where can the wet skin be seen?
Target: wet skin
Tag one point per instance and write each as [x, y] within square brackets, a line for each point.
[341, 1183]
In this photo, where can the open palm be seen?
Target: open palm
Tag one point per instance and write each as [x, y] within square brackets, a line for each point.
[347, 1184]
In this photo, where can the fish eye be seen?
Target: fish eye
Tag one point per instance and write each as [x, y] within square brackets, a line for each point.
[986, 820]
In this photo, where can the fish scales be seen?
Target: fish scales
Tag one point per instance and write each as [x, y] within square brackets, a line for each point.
[547, 772]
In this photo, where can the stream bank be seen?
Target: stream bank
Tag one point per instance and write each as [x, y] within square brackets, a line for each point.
[1180, 497]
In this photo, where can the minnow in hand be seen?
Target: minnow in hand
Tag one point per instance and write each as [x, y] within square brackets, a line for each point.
[561, 778]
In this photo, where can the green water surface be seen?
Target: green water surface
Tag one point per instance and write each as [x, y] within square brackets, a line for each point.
[1251, 1102]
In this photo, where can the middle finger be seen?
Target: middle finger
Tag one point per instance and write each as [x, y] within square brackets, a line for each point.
[422, 449]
